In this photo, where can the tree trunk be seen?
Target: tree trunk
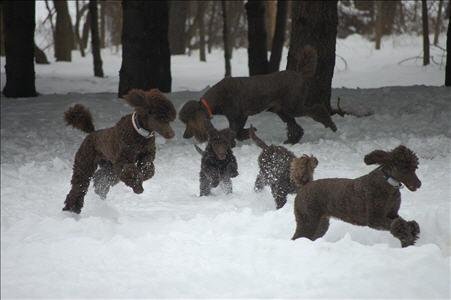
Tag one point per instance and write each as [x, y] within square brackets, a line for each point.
[78, 14]
[315, 23]
[85, 31]
[2, 30]
[279, 36]
[102, 23]
[177, 26]
[95, 42]
[379, 24]
[438, 22]
[270, 21]
[145, 47]
[40, 56]
[257, 51]
[202, 7]
[211, 25]
[19, 48]
[448, 51]
[424, 15]
[50, 17]
[64, 37]
[225, 37]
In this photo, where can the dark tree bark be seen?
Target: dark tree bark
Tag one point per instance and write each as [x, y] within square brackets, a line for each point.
[202, 7]
[257, 51]
[85, 31]
[95, 42]
[2, 31]
[315, 23]
[78, 15]
[225, 37]
[50, 17]
[270, 21]
[424, 15]
[279, 36]
[211, 26]
[438, 22]
[64, 37]
[177, 26]
[102, 23]
[448, 51]
[145, 47]
[379, 26]
[40, 56]
[19, 48]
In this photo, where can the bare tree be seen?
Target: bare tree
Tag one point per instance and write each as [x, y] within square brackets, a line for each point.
[438, 22]
[64, 37]
[379, 24]
[257, 51]
[102, 23]
[178, 12]
[314, 23]
[279, 36]
[2, 30]
[225, 37]
[202, 7]
[145, 47]
[95, 42]
[40, 56]
[19, 48]
[78, 15]
[424, 15]
[85, 30]
[213, 6]
[270, 20]
[448, 51]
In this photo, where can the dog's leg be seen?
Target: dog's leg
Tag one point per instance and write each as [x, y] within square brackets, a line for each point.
[132, 177]
[323, 226]
[294, 131]
[406, 232]
[307, 226]
[146, 166]
[205, 185]
[84, 167]
[259, 182]
[237, 125]
[279, 194]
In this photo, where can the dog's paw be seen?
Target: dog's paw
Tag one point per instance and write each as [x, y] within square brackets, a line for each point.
[72, 208]
[414, 228]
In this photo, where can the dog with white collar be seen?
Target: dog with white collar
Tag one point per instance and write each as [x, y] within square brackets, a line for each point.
[124, 152]
[371, 200]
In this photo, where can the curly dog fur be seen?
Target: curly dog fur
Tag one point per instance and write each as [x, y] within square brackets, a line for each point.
[120, 151]
[218, 163]
[372, 200]
[284, 93]
[281, 170]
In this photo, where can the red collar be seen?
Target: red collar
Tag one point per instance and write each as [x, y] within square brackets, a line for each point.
[207, 107]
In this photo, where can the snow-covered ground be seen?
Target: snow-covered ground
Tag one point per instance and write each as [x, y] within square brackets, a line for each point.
[168, 242]
[365, 67]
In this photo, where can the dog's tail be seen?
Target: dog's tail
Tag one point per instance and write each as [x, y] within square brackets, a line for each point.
[256, 139]
[301, 169]
[308, 59]
[79, 117]
[201, 152]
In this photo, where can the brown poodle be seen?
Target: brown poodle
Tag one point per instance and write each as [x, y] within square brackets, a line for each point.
[372, 200]
[284, 93]
[281, 170]
[124, 152]
[218, 163]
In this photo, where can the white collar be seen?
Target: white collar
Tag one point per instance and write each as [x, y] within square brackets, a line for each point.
[394, 183]
[143, 132]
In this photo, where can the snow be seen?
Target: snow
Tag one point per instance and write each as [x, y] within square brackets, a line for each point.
[168, 242]
[365, 67]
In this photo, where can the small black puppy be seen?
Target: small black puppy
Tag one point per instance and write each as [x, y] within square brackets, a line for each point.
[218, 162]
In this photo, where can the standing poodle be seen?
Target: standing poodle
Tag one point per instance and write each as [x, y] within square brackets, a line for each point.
[218, 163]
[124, 152]
[281, 170]
[372, 200]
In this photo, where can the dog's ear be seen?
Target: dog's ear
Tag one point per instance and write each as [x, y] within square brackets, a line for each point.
[136, 98]
[377, 157]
